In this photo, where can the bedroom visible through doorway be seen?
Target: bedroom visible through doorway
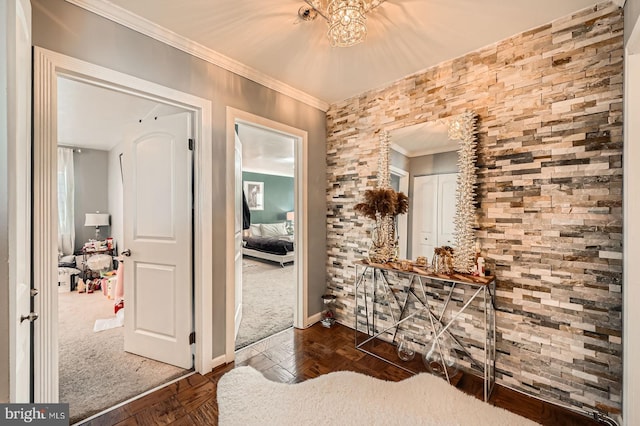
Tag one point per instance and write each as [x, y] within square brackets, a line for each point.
[94, 125]
[265, 182]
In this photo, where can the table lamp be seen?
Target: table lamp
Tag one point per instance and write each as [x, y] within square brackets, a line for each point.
[96, 219]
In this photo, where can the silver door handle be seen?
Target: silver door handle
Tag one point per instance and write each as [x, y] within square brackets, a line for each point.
[126, 252]
[31, 317]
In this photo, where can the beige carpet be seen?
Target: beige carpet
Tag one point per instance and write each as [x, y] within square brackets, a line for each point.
[246, 398]
[95, 372]
[268, 296]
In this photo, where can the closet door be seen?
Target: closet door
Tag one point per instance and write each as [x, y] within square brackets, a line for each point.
[424, 221]
[447, 185]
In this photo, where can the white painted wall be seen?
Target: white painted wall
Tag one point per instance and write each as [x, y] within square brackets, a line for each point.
[115, 195]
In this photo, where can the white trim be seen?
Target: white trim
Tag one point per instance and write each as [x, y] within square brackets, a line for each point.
[314, 319]
[631, 227]
[301, 231]
[117, 14]
[48, 66]
[403, 220]
[218, 361]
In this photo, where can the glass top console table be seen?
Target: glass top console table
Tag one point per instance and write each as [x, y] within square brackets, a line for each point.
[450, 315]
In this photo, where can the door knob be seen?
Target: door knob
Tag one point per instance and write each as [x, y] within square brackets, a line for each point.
[126, 252]
[31, 317]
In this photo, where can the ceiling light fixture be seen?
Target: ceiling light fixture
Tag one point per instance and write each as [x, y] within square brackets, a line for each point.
[346, 19]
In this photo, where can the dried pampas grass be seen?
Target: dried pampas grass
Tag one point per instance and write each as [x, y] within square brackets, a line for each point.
[383, 202]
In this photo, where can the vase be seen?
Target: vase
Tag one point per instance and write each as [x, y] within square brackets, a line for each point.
[404, 349]
[384, 244]
[440, 357]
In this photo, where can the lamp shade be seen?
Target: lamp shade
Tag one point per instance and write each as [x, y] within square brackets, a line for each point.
[96, 219]
[291, 216]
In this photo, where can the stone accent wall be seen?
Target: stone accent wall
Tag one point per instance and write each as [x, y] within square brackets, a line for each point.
[549, 104]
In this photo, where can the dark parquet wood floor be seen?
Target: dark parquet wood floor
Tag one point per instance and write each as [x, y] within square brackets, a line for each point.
[294, 356]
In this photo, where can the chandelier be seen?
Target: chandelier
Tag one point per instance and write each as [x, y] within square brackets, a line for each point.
[346, 19]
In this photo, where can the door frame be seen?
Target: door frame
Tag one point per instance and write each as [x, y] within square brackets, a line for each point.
[48, 65]
[631, 242]
[301, 310]
[403, 220]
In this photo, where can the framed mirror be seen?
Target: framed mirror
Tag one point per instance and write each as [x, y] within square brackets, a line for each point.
[434, 164]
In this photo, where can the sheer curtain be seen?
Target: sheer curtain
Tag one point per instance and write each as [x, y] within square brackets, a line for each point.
[66, 225]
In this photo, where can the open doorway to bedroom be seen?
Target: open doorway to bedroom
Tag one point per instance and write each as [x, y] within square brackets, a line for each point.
[94, 126]
[266, 178]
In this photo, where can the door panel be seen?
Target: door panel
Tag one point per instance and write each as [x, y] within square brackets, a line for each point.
[238, 234]
[447, 186]
[424, 216]
[15, 60]
[157, 231]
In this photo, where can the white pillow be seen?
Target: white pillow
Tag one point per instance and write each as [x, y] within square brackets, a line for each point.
[274, 229]
[255, 230]
[67, 259]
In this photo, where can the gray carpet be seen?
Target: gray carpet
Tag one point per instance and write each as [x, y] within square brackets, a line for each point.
[95, 372]
[268, 293]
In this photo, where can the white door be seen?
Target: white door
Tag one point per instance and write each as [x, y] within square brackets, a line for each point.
[424, 216]
[15, 117]
[447, 186]
[238, 234]
[157, 232]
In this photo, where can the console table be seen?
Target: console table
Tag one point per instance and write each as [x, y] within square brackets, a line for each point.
[389, 299]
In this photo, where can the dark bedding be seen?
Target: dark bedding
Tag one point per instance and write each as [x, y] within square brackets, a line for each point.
[271, 245]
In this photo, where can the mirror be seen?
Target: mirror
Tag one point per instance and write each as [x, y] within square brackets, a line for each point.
[426, 162]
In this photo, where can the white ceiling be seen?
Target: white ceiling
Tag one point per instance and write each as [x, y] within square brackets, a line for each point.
[404, 36]
[98, 118]
[266, 151]
[268, 39]
[422, 139]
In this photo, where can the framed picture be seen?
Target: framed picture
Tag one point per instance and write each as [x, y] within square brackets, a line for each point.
[254, 191]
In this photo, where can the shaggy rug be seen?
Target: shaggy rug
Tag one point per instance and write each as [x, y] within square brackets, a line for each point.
[268, 296]
[245, 397]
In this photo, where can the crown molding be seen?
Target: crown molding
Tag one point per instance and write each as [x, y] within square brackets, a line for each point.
[117, 14]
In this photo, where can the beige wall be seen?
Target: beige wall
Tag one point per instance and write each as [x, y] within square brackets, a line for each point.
[62, 27]
[549, 107]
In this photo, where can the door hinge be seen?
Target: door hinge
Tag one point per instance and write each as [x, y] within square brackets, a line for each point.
[192, 337]
[191, 144]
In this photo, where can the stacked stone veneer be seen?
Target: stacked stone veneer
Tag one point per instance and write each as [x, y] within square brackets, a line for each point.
[549, 106]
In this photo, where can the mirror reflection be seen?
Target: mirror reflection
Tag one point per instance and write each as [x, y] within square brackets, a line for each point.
[424, 165]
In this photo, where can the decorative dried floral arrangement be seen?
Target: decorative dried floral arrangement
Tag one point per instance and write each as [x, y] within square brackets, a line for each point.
[463, 128]
[383, 204]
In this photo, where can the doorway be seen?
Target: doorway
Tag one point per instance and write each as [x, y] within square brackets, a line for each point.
[98, 367]
[48, 67]
[289, 221]
[266, 285]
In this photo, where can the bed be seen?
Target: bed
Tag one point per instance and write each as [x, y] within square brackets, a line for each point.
[269, 241]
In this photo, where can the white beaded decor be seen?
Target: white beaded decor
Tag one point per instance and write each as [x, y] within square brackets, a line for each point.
[463, 129]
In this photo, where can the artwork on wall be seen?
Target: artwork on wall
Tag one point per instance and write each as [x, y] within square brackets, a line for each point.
[254, 192]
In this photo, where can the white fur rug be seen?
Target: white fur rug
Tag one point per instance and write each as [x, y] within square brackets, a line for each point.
[245, 397]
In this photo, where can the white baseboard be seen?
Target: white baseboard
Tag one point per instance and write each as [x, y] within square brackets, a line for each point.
[313, 319]
[218, 361]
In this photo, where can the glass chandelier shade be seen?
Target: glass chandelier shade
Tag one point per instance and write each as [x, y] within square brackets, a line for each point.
[346, 19]
[346, 23]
